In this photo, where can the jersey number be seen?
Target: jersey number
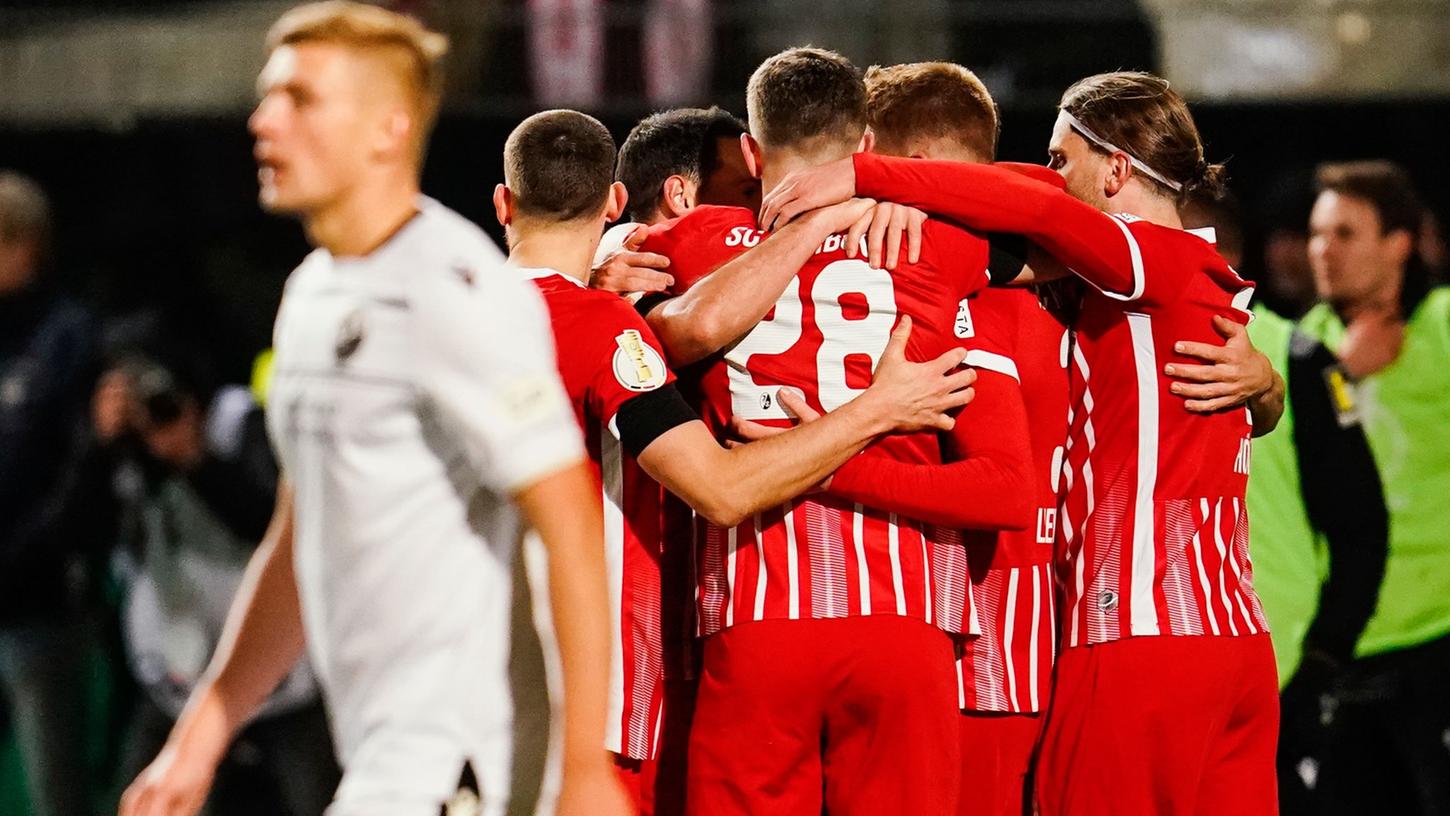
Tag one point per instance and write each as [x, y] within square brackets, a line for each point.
[842, 337]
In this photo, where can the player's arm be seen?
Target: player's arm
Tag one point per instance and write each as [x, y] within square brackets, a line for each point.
[724, 305]
[1344, 499]
[1234, 374]
[986, 482]
[486, 371]
[261, 642]
[727, 485]
[987, 198]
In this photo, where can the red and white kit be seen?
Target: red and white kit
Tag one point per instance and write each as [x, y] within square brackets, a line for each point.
[607, 357]
[800, 573]
[1152, 518]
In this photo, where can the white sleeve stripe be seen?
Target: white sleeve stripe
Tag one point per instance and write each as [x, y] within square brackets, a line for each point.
[1000, 363]
[1241, 301]
[1136, 255]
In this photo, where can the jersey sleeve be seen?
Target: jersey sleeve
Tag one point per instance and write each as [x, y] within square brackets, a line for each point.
[986, 326]
[486, 369]
[701, 241]
[630, 361]
[1100, 248]
[986, 485]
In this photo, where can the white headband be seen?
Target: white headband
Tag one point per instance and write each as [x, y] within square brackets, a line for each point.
[1087, 133]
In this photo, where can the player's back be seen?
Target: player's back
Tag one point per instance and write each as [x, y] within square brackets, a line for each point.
[607, 355]
[1008, 667]
[820, 556]
[1153, 513]
[404, 532]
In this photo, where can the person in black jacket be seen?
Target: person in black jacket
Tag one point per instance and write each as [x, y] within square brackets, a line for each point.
[50, 491]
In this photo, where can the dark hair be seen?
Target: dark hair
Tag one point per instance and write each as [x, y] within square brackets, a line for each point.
[1144, 116]
[1224, 213]
[559, 165]
[931, 100]
[1384, 184]
[1387, 187]
[680, 142]
[805, 97]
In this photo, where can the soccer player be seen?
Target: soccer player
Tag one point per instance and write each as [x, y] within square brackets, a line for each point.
[420, 420]
[638, 428]
[943, 111]
[1165, 698]
[669, 163]
[826, 673]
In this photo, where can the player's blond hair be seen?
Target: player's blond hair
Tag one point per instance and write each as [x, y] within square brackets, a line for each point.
[921, 101]
[415, 52]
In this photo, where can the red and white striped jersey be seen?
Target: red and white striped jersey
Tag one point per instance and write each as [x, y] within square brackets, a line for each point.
[821, 556]
[1153, 522]
[608, 356]
[1152, 517]
[1008, 665]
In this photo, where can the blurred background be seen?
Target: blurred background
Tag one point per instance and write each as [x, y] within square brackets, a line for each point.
[130, 117]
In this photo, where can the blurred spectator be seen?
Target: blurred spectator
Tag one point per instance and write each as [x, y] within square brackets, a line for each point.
[1390, 715]
[50, 494]
[1320, 530]
[198, 490]
[1285, 283]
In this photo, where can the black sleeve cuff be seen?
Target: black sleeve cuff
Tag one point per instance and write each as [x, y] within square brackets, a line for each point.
[647, 303]
[649, 416]
[1006, 256]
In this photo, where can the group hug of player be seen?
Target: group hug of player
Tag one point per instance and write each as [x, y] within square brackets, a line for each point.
[983, 550]
[877, 614]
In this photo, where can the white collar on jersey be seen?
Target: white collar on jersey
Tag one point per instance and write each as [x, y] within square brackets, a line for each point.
[1208, 234]
[541, 272]
[1087, 133]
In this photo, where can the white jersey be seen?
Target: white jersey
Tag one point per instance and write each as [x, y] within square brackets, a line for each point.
[415, 389]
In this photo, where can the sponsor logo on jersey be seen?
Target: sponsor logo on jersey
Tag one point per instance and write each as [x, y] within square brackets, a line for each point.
[1341, 395]
[349, 337]
[963, 327]
[1107, 600]
[637, 365]
[743, 236]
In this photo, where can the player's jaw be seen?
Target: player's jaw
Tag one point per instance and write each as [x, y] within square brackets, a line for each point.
[730, 183]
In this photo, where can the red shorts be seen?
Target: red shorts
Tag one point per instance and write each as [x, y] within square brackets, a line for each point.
[856, 715]
[1169, 726]
[657, 785]
[997, 754]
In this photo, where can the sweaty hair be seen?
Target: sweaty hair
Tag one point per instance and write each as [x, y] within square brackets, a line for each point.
[925, 101]
[414, 51]
[681, 142]
[805, 99]
[1144, 116]
[24, 210]
[559, 164]
[1384, 184]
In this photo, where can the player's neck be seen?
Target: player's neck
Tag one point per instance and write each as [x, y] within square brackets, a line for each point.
[781, 163]
[567, 248]
[1145, 205]
[363, 219]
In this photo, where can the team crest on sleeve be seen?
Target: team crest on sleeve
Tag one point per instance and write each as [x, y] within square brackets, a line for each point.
[963, 327]
[637, 365]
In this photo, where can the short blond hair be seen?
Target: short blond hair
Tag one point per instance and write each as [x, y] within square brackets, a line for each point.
[371, 28]
[922, 101]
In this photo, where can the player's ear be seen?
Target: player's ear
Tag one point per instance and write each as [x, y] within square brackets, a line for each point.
[750, 149]
[503, 204]
[614, 205]
[397, 129]
[1400, 245]
[675, 197]
[1119, 170]
[868, 142]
